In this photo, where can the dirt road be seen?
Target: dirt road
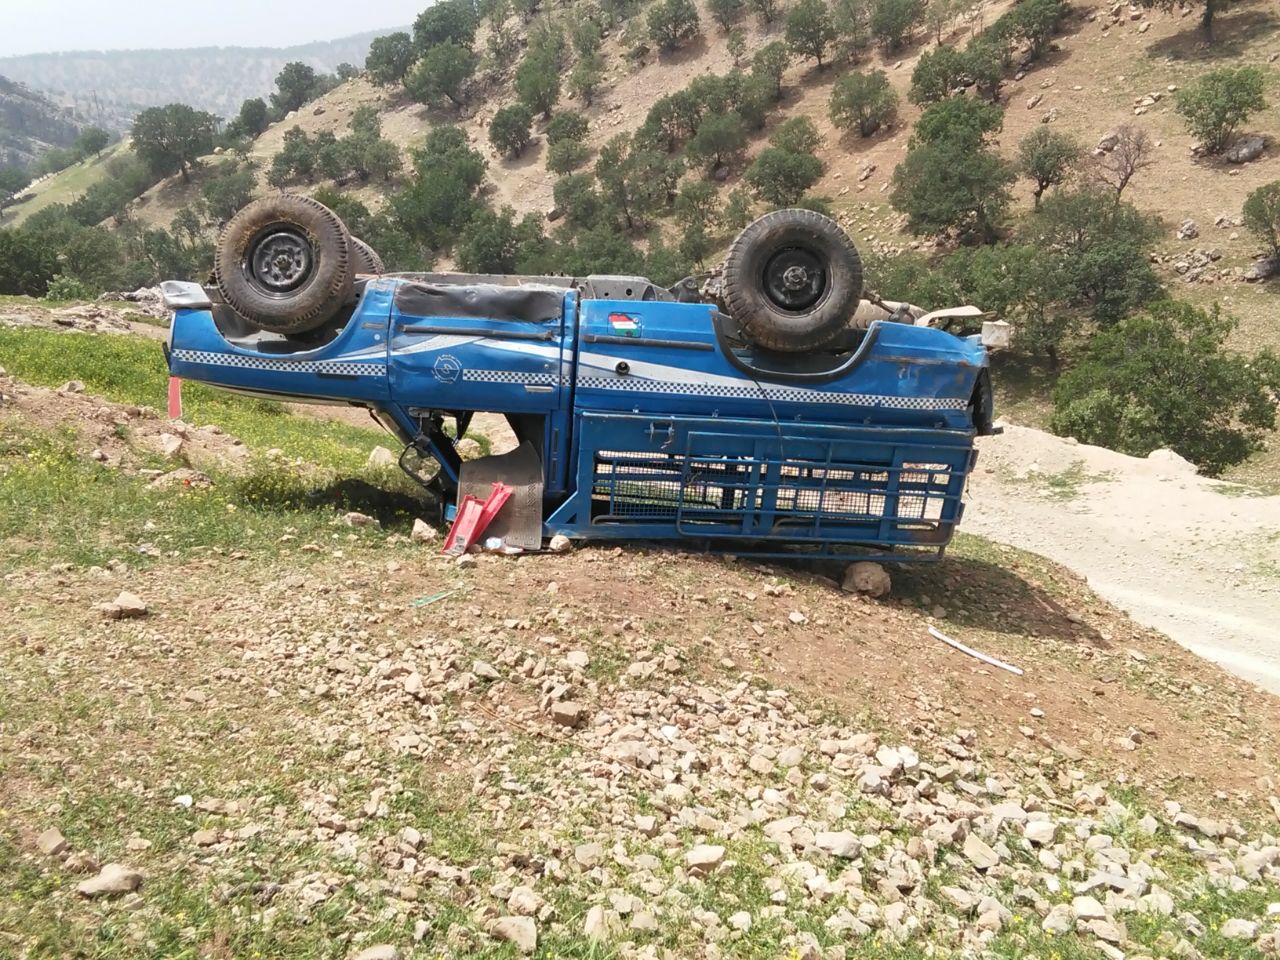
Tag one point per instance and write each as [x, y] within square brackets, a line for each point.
[1195, 558]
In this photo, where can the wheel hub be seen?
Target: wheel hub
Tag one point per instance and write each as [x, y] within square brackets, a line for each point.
[795, 279]
[281, 261]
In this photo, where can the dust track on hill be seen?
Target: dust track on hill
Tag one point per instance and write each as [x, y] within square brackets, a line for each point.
[1195, 558]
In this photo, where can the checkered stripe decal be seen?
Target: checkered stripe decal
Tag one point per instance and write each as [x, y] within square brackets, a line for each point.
[339, 367]
[513, 376]
[752, 392]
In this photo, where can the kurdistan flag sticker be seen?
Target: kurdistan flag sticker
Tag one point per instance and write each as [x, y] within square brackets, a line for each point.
[624, 324]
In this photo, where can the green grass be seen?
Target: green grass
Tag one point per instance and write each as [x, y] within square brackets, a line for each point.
[132, 370]
[63, 187]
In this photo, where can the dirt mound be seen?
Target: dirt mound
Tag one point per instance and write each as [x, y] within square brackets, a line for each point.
[118, 434]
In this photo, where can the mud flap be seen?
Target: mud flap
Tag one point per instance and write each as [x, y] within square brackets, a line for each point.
[519, 524]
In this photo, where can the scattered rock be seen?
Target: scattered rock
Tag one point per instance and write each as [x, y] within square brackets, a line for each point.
[1238, 929]
[979, 853]
[567, 713]
[866, 577]
[1034, 101]
[423, 532]
[52, 843]
[703, 859]
[114, 879]
[204, 838]
[839, 844]
[383, 951]
[380, 457]
[126, 606]
[522, 932]
[560, 544]
[357, 519]
[1246, 149]
[1188, 230]
[72, 386]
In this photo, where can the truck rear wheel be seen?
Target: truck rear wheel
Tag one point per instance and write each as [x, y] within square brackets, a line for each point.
[285, 263]
[366, 258]
[792, 280]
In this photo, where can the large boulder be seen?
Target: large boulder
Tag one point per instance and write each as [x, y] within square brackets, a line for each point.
[1246, 148]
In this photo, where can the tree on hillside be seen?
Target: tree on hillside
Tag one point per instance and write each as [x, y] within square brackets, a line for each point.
[726, 12]
[537, 81]
[771, 61]
[252, 120]
[892, 21]
[863, 100]
[390, 58]
[1165, 378]
[1217, 104]
[172, 138]
[1046, 158]
[1262, 215]
[448, 21]
[1209, 9]
[509, 129]
[1035, 22]
[952, 178]
[672, 22]
[636, 180]
[296, 84]
[13, 181]
[938, 16]
[92, 140]
[720, 140]
[937, 73]
[1102, 247]
[441, 195]
[808, 29]
[442, 72]
[585, 77]
[27, 263]
[227, 192]
[1132, 153]
[766, 10]
[566, 142]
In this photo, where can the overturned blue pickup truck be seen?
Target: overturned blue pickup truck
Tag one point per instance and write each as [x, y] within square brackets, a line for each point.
[767, 410]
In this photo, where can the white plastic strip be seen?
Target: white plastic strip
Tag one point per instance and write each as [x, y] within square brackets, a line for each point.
[933, 631]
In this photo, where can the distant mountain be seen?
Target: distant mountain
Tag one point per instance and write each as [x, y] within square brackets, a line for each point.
[110, 87]
[30, 124]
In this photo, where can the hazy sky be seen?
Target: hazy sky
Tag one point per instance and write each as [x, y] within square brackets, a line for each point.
[43, 26]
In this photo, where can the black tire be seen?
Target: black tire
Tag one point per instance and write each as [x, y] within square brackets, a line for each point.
[285, 263]
[792, 280]
[366, 258]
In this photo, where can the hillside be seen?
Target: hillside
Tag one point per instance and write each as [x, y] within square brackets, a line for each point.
[1086, 86]
[30, 124]
[297, 734]
[109, 87]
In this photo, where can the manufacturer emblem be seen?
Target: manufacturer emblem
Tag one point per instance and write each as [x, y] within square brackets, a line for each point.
[447, 369]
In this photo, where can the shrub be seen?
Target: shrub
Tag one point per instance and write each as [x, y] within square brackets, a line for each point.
[567, 127]
[781, 177]
[567, 155]
[770, 62]
[797, 135]
[863, 100]
[510, 128]
[1034, 22]
[767, 10]
[67, 288]
[448, 21]
[577, 199]
[297, 84]
[672, 22]
[1262, 215]
[585, 77]
[226, 193]
[1217, 104]
[1163, 378]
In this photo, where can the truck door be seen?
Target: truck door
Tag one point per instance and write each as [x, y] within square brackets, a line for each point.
[478, 347]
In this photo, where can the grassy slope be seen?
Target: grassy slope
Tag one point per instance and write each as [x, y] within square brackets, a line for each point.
[63, 187]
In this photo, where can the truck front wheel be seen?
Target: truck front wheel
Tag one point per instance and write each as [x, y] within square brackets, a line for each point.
[285, 263]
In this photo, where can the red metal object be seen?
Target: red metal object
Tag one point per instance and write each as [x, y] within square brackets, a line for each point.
[474, 517]
[175, 398]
